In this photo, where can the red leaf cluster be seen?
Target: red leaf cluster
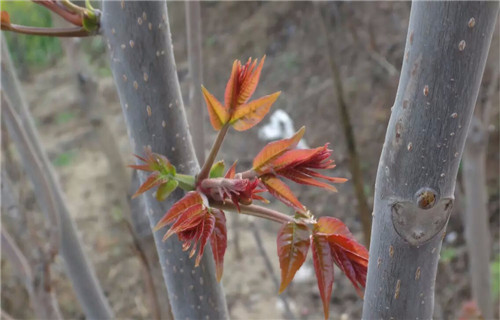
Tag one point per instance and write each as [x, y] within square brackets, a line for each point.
[162, 172]
[331, 243]
[237, 111]
[279, 158]
[195, 224]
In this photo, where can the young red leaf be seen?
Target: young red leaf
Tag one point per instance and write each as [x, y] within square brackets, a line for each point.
[218, 241]
[350, 256]
[301, 178]
[5, 20]
[281, 191]
[354, 271]
[323, 265]
[218, 114]
[274, 149]
[230, 97]
[205, 231]
[231, 172]
[188, 219]
[250, 114]
[190, 199]
[153, 180]
[331, 225]
[293, 243]
[249, 83]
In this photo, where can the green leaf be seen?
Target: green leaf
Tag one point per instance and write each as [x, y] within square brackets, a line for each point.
[217, 170]
[166, 189]
[186, 182]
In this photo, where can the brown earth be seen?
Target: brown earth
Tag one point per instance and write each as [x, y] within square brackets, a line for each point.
[369, 42]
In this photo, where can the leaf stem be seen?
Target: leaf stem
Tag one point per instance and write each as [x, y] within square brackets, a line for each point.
[249, 174]
[52, 32]
[213, 153]
[253, 210]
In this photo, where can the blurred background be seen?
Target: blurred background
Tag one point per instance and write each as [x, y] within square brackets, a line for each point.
[68, 86]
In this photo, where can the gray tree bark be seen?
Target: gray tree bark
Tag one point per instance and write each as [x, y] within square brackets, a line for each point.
[143, 65]
[195, 103]
[78, 269]
[446, 50]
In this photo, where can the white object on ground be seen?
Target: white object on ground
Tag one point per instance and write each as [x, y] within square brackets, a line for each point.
[280, 126]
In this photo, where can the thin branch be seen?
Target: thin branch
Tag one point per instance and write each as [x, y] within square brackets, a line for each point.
[213, 153]
[51, 32]
[253, 210]
[354, 162]
[195, 102]
[15, 124]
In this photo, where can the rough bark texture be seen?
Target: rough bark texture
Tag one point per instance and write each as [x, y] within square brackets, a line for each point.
[442, 70]
[142, 62]
[78, 269]
[193, 24]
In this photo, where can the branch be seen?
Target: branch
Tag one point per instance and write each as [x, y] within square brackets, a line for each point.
[78, 269]
[354, 163]
[194, 48]
[253, 210]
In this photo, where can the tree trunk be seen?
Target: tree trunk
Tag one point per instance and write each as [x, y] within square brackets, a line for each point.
[142, 62]
[79, 271]
[476, 217]
[446, 50]
[197, 118]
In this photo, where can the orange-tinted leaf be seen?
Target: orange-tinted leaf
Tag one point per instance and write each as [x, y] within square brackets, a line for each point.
[188, 219]
[218, 114]
[232, 87]
[295, 157]
[354, 271]
[293, 243]
[153, 180]
[319, 175]
[248, 115]
[281, 191]
[323, 265]
[250, 82]
[231, 172]
[350, 256]
[274, 149]
[302, 178]
[5, 20]
[190, 199]
[218, 241]
[205, 231]
[330, 226]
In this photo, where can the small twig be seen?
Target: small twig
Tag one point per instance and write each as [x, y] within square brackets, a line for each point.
[153, 296]
[253, 210]
[16, 257]
[262, 251]
[51, 32]
[53, 212]
[213, 153]
[354, 163]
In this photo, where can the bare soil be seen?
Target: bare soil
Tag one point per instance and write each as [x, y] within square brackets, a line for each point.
[369, 41]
